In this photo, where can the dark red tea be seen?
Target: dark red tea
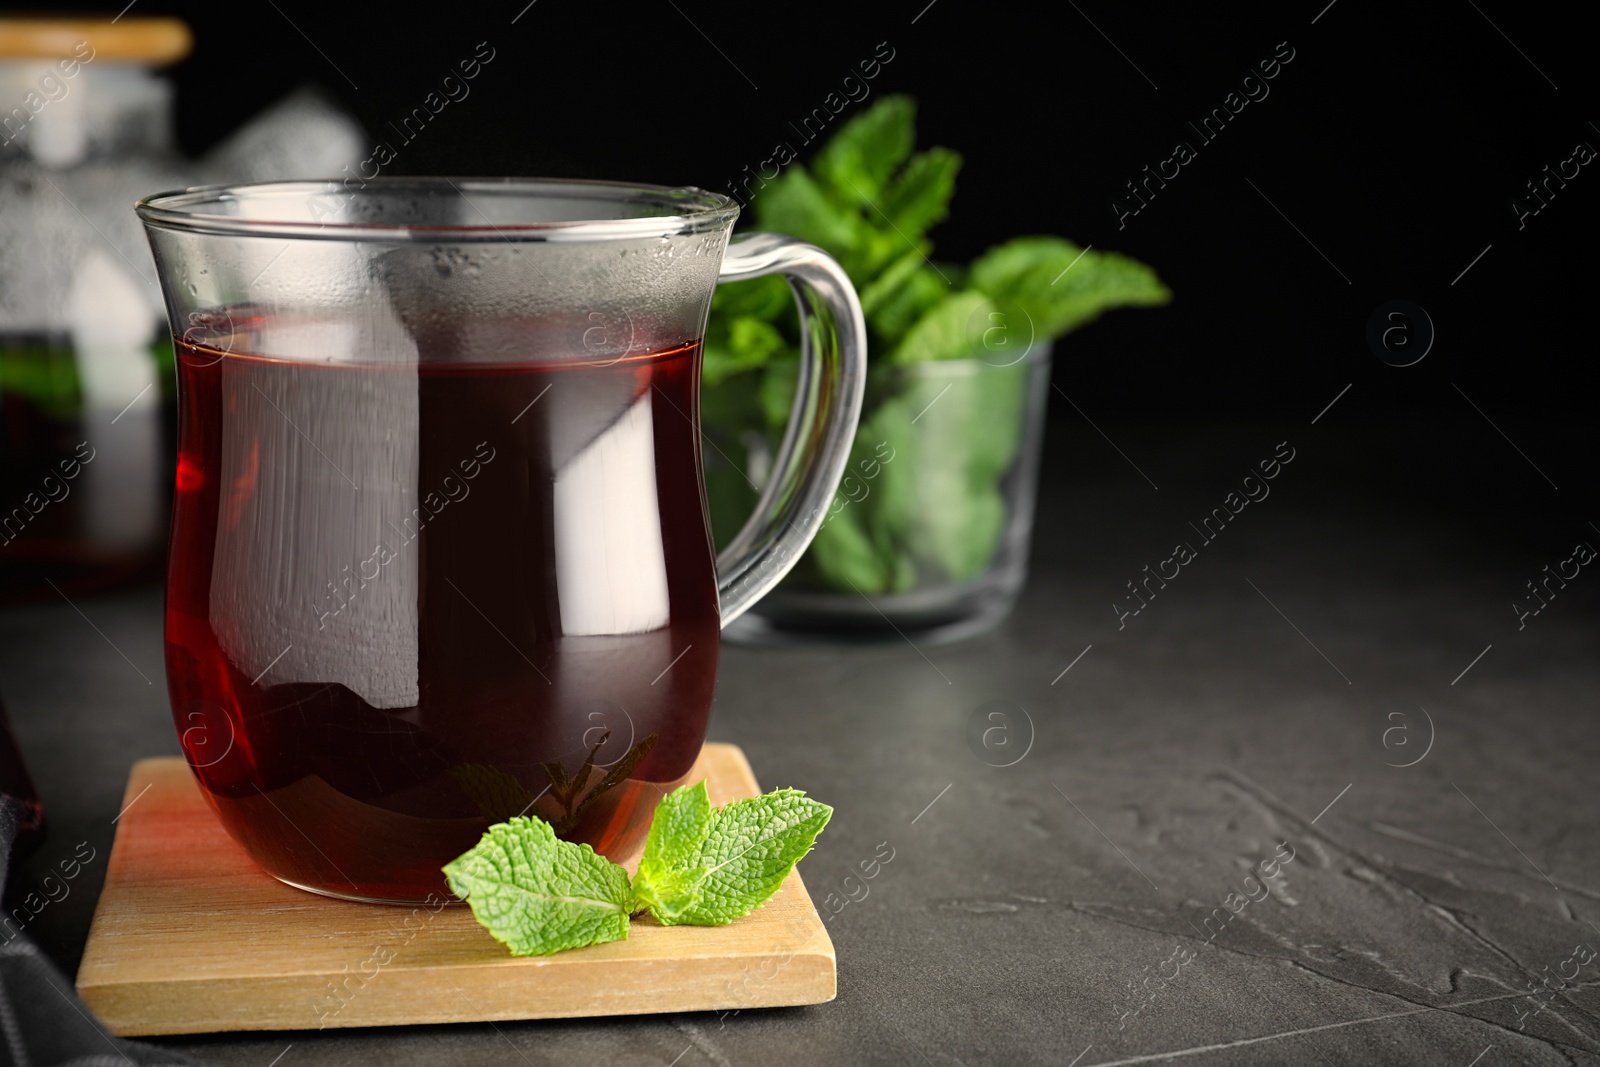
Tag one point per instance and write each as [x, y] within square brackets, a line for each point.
[408, 601]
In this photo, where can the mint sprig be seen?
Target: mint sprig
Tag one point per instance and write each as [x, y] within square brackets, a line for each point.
[707, 866]
[538, 893]
[870, 199]
[702, 866]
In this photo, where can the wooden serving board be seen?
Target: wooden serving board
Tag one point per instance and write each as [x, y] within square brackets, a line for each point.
[190, 936]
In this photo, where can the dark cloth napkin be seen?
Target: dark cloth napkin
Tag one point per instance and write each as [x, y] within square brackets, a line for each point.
[42, 1021]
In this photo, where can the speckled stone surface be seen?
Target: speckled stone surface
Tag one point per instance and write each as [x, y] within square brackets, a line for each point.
[1055, 911]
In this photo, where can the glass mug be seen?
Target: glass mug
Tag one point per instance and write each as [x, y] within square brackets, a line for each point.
[440, 551]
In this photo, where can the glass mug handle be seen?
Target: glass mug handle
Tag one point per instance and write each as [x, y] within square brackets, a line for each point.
[822, 423]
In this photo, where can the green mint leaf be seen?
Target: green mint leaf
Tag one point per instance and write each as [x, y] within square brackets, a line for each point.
[669, 867]
[1061, 286]
[896, 311]
[46, 374]
[967, 441]
[920, 196]
[560, 784]
[886, 285]
[575, 800]
[581, 779]
[707, 867]
[957, 540]
[846, 558]
[891, 510]
[880, 246]
[681, 823]
[743, 343]
[953, 329]
[776, 392]
[967, 433]
[767, 298]
[857, 549]
[751, 848]
[618, 772]
[857, 161]
[566, 790]
[729, 496]
[497, 794]
[735, 447]
[539, 894]
[797, 205]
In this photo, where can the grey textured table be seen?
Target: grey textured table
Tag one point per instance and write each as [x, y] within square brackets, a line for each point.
[1253, 701]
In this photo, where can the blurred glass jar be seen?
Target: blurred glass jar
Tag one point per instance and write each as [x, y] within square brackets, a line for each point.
[928, 534]
[87, 390]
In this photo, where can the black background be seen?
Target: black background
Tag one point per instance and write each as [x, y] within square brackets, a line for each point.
[1395, 141]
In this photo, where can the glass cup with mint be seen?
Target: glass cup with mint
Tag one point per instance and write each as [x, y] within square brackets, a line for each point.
[928, 533]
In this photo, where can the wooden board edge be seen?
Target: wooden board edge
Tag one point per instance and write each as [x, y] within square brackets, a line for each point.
[147, 771]
[808, 979]
[150, 768]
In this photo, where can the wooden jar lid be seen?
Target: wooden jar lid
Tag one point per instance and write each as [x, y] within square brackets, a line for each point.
[140, 40]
